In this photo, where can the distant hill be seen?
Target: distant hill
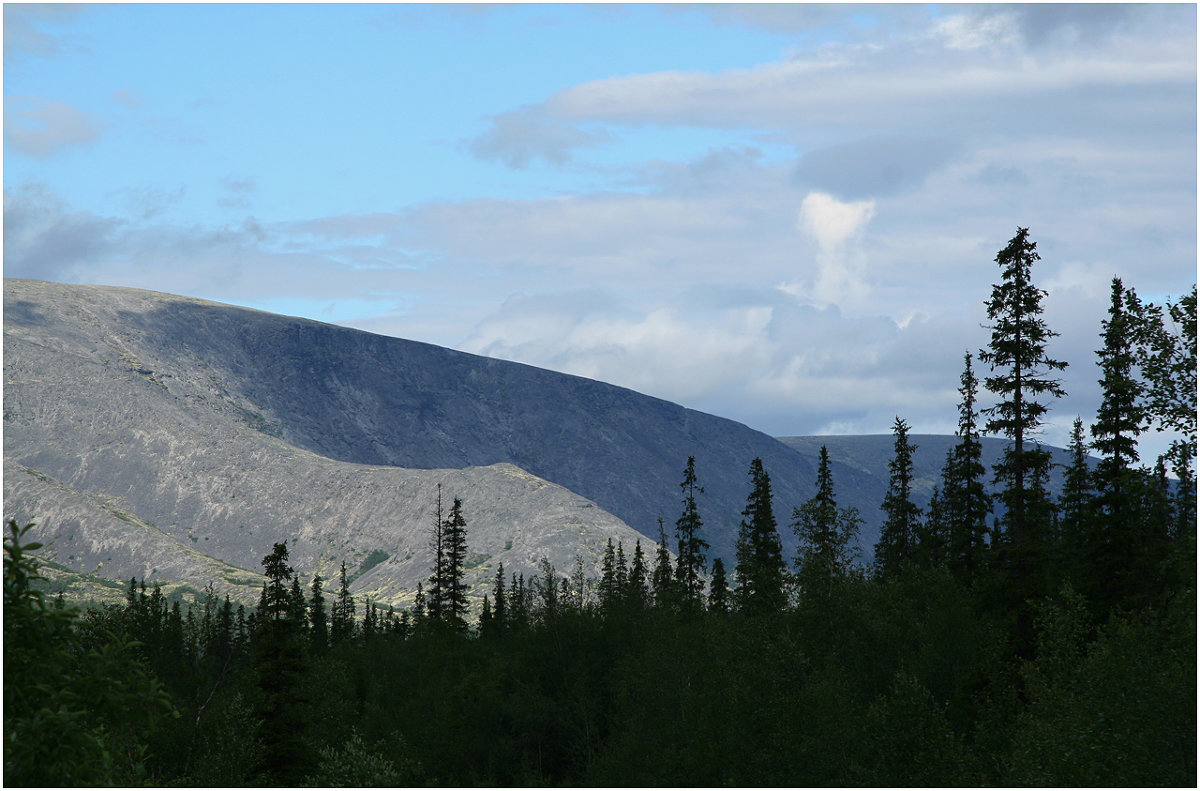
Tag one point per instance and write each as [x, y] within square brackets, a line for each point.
[141, 425]
[177, 439]
[870, 455]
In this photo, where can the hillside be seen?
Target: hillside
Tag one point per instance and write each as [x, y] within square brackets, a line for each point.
[141, 425]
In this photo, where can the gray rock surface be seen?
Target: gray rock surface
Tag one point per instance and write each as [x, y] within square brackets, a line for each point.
[138, 453]
[360, 398]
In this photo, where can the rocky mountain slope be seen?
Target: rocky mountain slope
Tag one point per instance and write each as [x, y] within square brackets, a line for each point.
[137, 458]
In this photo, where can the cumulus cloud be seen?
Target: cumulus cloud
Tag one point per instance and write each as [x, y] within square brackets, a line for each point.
[39, 128]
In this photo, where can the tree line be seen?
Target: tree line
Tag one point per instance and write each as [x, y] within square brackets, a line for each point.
[999, 636]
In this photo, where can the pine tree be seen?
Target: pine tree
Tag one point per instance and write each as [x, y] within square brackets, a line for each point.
[760, 570]
[718, 589]
[898, 538]
[1022, 376]
[690, 562]
[965, 503]
[276, 598]
[825, 533]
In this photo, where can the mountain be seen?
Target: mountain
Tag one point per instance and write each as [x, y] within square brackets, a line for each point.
[169, 437]
[870, 455]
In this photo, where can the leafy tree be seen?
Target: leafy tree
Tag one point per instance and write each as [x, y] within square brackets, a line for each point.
[690, 563]
[826, 533]
[1022, 378]
[898, 537]
[760, 570]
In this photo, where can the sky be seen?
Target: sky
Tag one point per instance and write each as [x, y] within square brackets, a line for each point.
[787, 215]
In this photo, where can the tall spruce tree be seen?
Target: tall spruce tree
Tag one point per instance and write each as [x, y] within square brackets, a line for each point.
[662, 583]
[635, 590]
[1075, 509]
[718, 589]
[435, 596]
[897, 543]
[690, 562]
[341, 626]
[760, 569]
[318, 619]
[453, 606]
[1023, 380]
[825, 534]
[965, 503]
[1123, 548]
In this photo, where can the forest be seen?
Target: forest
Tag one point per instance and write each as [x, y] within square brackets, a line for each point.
[998, 636]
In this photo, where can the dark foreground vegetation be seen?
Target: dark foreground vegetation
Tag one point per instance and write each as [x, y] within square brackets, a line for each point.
[1000, 636]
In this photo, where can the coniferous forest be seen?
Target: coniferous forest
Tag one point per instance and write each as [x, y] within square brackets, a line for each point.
[1000, 636]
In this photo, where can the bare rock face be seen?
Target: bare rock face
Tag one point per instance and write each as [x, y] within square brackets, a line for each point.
[130, 438]
[229, 428]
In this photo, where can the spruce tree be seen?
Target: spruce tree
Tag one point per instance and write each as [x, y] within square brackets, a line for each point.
[897, 543]
[1022, 378]
[965, 503]
[635, 591]
[435, 596]
[342, 619]
[662, 582]
[1125, 547]
[718, 589]
[317, 617]
[500, 608]
[825, 533]
[608, 590]
[690, 562]
[760, 569]
[453, 607]
[1075, 509]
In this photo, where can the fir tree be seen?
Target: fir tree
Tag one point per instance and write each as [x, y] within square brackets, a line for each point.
[825, 533]
[608, 590]
[760, 570]
[690, 562]
[898, 537]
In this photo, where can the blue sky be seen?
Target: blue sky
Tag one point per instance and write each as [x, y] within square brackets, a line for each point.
[783, 214]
